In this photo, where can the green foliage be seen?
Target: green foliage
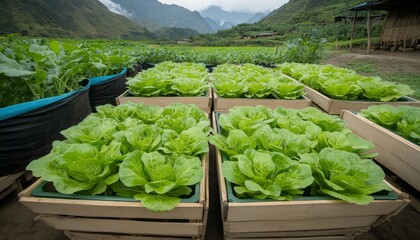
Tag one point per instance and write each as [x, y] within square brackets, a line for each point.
[32, 69]
[264, 175]
[170, 79]
[405, 120]
[253, 81]
[345, 175]
[282, 153]
[130, 150]
[340, 83]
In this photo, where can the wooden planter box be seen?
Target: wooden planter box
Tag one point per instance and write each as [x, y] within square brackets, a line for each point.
[203, 102]
[333, 106]
[301, 219]
[395, 152]
[224, 104]
[96, 219]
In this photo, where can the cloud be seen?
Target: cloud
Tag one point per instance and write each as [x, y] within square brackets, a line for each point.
[115, 8]
[251, 6]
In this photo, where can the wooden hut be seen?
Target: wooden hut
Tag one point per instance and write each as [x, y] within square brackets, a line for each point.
[402, 25]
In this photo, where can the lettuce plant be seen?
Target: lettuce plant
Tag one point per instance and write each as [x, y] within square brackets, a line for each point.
[405, 120]
[252, 81]
[170, 79]
[345, 175]
[264, 175]
[147, 152]
[158, 180]
[344, 84]
[322, 156]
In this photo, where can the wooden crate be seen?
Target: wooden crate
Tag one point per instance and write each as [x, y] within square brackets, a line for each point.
[203, 102]
[307, 219]
[10, 183]
[109, 219]
[395, 152]
[224, 104]
[333, 106]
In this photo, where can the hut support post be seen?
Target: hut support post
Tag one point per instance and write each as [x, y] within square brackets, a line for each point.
[352, 31]
[369, 43]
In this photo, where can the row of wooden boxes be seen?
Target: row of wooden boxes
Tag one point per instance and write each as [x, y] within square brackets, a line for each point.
[315, 218]
[308, 219]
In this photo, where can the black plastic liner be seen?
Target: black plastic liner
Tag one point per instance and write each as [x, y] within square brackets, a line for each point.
[136, 69]
[107, 91]
[29, 136]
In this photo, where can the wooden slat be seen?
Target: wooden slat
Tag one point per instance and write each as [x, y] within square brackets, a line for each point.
[407, 151]
[396, 153]
[333, 106]
[203, 102]
[295, 234]
[307, 210]
[300, 224]
[319, 99]
[96, 236]
[7, 181]
[224, 104]
[93, 208]
[302, 238]
[122, 226]
[8, 190]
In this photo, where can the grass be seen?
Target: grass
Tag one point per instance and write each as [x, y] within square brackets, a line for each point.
[410, 79]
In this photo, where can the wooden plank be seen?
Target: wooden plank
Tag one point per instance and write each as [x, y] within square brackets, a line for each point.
[307, 210]
[313, 233]
[396, 153]
[300, 224]
[224, 104]
[203, 102]
[407, 151]
[221, 179]
[96, 236]
[122, 226]
[8, 180]
[333, 106]
[94, 208]
[8, 190]
[300, 238]
[89, 208]
[319, 99]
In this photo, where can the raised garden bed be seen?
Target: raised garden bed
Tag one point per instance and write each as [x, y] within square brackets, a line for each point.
[302, 217]
[396, 153]
[112, 218]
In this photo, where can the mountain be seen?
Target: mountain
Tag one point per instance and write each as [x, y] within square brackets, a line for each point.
[257, 17]
[226, 20]
[66, 18]
[317, 11]
[164, 15]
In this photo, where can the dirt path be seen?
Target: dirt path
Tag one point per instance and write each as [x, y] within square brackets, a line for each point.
[408, 62]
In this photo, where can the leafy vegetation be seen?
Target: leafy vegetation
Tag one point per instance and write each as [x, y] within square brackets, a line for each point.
[405, 120]
[344, 84]
[253, 81]
[170, 79]
[149, 153]
[33, 69]
[283, 153]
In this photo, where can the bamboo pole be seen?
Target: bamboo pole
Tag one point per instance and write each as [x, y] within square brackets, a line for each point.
[368, 32]
[352, 31]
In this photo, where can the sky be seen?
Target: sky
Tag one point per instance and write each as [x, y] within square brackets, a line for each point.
[252, 6]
